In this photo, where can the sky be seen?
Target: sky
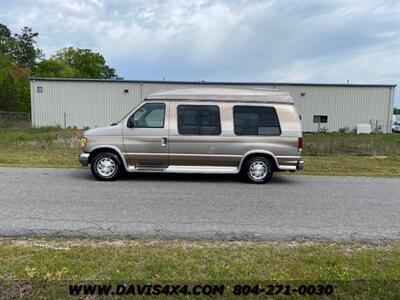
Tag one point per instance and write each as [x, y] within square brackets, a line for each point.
[258, 41]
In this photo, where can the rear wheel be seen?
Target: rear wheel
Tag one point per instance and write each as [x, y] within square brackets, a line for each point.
[257, 170]
[106, 166]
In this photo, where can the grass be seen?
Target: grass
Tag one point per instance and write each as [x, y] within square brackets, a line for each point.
[40, 147]
[41, 263]
[350, 165]
[352, 144]
[45, 158]
[341, 154]
[43, 267]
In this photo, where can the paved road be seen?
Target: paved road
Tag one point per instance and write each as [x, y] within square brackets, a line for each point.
[69, 202]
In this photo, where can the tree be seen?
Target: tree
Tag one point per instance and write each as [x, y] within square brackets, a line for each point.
[25, 53]
[55, 68]
[76, 62]
[21, 77]
[20, 58]
[8, 94]
[4, 31]
[20, 48]
[396, 111]
[109, 73]
[14, 86]
[14, 75]
[88, 63]
[7, 42]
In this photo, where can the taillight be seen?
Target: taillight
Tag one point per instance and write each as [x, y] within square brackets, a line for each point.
[300, 144]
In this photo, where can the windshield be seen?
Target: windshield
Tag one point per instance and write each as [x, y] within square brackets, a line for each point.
[127, 114]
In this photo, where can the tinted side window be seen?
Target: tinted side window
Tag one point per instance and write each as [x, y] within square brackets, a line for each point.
[256, 120]
[199, 120]
[150, 115]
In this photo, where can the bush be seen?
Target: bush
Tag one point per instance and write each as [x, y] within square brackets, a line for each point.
[344, 130]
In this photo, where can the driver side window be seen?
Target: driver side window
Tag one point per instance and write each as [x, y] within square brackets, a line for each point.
[150, 115]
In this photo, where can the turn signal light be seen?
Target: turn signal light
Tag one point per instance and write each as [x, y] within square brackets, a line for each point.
[83, 142]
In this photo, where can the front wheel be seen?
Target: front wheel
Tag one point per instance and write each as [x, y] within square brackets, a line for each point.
[258, 170]
[106, 166]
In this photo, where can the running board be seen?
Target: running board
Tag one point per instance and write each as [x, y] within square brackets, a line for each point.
[187, 169]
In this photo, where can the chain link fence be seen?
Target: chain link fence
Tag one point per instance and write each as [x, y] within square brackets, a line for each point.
[15, 120]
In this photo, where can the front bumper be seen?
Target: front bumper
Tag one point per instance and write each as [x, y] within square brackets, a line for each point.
[84, 158]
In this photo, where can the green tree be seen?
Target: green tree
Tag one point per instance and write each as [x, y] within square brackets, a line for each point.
[8, 93]
[55, 68]
[76, 62]
[20, 58]
[396, 111]
[7, 42]
[88, 63]
[109, 73]
[4, 31]
[14, 86]
[21, 77]
[25, 53]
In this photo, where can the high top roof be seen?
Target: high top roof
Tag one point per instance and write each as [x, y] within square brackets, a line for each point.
[223, 95]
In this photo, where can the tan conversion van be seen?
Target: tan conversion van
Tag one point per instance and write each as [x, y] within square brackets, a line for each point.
[202, 130]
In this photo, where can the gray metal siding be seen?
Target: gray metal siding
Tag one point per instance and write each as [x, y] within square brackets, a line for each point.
[344, 106]
[93, 104]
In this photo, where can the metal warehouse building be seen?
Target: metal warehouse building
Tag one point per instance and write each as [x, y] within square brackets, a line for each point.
[93, 103]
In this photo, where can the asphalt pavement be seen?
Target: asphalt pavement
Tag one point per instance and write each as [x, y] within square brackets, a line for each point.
[69, 202]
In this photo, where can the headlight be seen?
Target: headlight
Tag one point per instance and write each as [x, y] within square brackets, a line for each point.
[83, 142]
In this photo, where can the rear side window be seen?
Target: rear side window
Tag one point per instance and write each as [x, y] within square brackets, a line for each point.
[199, 120]
[256, 120]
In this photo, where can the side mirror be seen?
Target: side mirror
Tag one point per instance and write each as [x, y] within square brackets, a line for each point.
[129, 124]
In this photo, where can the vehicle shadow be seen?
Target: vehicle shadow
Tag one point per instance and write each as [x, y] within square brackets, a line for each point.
[181, 177]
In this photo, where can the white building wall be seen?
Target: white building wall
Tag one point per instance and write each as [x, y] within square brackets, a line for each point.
[88, 103]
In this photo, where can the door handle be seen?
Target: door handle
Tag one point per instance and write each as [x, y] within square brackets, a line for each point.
[164, 142]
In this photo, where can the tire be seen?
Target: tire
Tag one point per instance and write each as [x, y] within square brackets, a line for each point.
[106, 166]
[257, 170]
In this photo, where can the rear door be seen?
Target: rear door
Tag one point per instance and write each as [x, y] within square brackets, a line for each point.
[146, 136]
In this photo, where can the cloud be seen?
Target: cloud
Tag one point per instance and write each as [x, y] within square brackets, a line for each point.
[309, 41]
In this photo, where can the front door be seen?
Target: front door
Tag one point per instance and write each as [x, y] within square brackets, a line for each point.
[146, 136]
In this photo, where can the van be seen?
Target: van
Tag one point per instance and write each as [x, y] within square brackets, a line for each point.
[203, 130]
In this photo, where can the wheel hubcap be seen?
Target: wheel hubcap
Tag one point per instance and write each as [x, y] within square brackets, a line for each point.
[258, 170]
[106, 167]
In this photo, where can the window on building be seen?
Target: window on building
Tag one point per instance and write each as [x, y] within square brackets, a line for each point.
[150, 115]
[199, 120]
[256, 120]
[39, 89]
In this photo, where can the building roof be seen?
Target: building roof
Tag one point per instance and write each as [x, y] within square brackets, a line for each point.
[214, 82]
[223, 94]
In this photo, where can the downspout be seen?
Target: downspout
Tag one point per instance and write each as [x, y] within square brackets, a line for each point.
[391, 104]
[141, 91]
[33, 115]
